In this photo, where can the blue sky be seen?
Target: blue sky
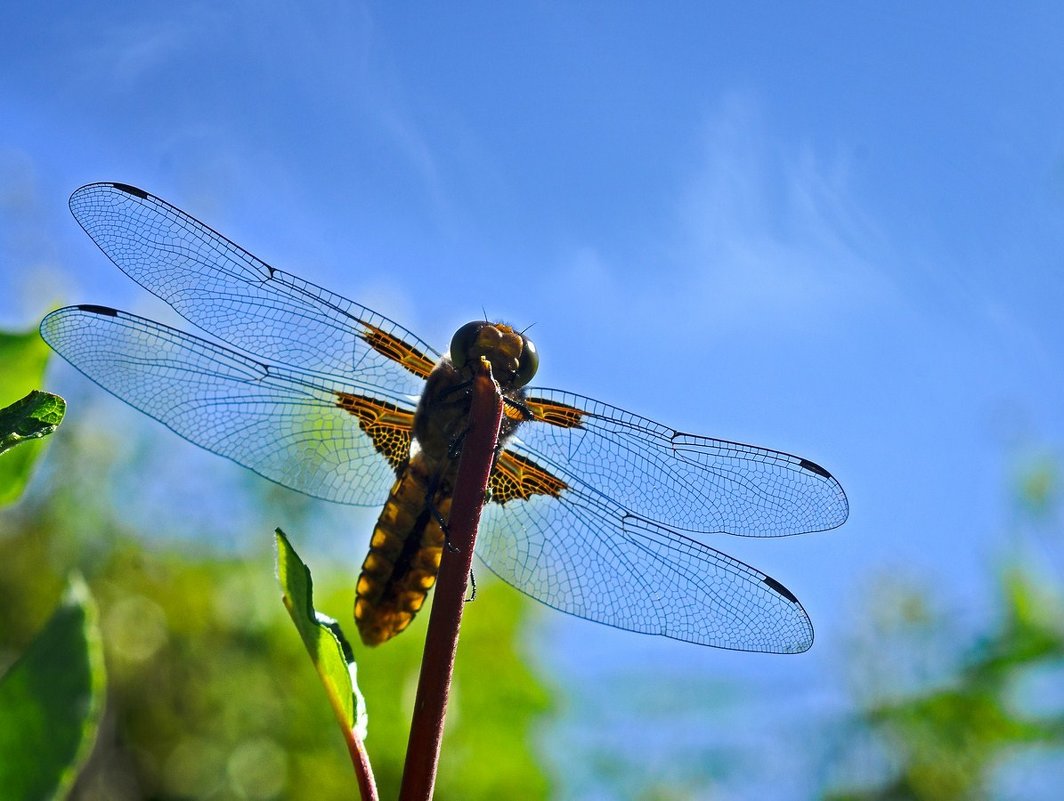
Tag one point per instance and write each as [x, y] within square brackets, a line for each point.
[835, 230]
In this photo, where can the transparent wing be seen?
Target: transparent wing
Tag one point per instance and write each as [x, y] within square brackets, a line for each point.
[585, 555]
[285, 424]
[587, 498]
[224, 290]
[681, 481]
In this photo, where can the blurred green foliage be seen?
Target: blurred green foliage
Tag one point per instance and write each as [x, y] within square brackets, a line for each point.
[23, 358]
[944, 714]
[51, 701]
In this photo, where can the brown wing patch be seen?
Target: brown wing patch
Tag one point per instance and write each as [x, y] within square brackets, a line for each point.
[557, 414]
[398, 351]
[518, 478]
[386, 424]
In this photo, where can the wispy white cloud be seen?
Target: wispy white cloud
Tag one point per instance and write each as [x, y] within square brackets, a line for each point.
[122, 55]
[769, 232]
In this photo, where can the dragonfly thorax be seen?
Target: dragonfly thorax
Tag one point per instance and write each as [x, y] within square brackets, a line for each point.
[443, 409]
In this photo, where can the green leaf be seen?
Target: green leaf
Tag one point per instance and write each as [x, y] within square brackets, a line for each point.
[35, 416]
[51, 701]
[22, 361]
[328, 648]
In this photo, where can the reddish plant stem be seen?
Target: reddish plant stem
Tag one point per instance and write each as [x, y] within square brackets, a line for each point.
[441, 638]
[367, 787]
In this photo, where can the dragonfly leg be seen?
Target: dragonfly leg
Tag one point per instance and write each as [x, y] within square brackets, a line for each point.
[462, 387]
[513, 403]
[434, 510]
[473, 587]
[450, 546]
[454, 450]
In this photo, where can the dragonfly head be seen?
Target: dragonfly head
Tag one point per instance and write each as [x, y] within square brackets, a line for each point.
[512, 355]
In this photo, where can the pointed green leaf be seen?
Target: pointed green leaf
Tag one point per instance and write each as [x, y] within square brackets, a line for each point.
[22, 361]
[328, 648]
[36, 415]
[51, 701]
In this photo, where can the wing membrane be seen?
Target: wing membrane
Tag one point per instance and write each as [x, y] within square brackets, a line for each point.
[681, 481]
[587, 556]
[226, 291]
[588, 498]
[284, 424]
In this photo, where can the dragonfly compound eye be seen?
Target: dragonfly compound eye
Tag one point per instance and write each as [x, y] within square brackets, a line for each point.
[528, 365]
[462, 342]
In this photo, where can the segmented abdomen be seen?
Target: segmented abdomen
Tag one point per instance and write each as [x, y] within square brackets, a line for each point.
[404, 556]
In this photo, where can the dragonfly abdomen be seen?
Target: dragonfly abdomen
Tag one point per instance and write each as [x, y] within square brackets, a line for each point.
[404, 555]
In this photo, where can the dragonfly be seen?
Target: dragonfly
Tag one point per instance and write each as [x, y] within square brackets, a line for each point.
[592, 510]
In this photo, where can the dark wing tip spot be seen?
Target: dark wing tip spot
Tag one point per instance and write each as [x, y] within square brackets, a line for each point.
[771, 582]
[131, 190]
[106, 311]
[813, 467]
